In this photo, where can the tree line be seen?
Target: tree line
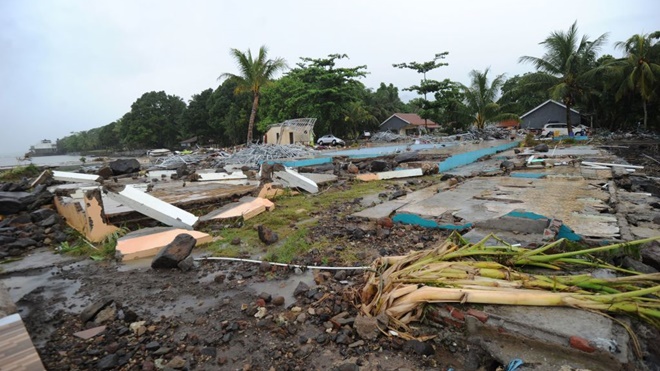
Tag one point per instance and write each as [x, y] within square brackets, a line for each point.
[613, 93]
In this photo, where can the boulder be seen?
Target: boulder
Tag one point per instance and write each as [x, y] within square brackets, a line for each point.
[651, 255]
[10, 206]
[182, 171]
[266, 235]
[41, 214]
[379, 165]
[125, 166]
[175, 252]
[105, 172]
[50, 221]
[407, 157]
[541, 147]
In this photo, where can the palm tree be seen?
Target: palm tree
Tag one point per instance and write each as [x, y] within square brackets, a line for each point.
[566, 61]
[254, 75]
[481, 97]
[640, 72]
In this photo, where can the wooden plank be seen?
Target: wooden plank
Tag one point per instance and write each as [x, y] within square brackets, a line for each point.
[16, 349]
[65, 176]
[139, 246]
[153, 207]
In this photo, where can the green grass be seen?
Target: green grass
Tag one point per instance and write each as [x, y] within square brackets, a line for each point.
[290, 211]
[80, 246]
[18, 172]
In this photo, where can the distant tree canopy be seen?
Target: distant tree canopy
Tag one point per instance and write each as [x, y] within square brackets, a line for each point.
[612, 92]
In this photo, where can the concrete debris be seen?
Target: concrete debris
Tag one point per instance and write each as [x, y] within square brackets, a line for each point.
[258, 154]
[87, 216]
[64, 176]
[151, 206]
[390, 175]
[249, 207]
[148, 242]
[294, 179]
[237, 175]
[270, 191]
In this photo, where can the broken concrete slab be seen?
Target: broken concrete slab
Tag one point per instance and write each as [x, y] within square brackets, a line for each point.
[148, 242]
[87, 216]
[294, 179]
[89, 333]
[394, 174]
[247, 208]
[64, 176]
[237, 175]
[381, 210]
[151, 206]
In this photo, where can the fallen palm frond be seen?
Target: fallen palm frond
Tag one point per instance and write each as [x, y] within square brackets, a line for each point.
[460, 272]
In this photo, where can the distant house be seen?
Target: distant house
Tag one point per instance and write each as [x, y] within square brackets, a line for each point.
[509, 124]
[189, 142]
[408, 124]
[296, 131]
[43, 148]
[548, 111]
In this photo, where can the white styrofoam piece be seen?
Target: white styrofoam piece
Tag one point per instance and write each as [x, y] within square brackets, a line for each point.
[65, 176]
[296, 180]
[221, 176]
[153, 207]
[400, 174]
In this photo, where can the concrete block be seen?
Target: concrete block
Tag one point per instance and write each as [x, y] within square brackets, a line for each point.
[297, 180]
[87, 216]
[148, 242]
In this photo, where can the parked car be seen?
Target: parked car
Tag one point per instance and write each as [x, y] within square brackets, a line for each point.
[330, 140]
[559, 129]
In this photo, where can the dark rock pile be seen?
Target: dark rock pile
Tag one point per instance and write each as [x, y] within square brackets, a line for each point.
[28, 220]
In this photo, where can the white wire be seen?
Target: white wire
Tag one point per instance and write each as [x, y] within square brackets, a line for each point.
[281, 264]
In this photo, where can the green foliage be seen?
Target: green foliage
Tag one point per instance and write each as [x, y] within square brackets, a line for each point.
[520, 94]
[153, 122]
[19, 172]
[295, 245]
[82, 247]
[255, 74]
[481, 98]
[566, 65]
[196, 119]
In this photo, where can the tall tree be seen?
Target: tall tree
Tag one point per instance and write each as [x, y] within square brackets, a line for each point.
[153, 121]
[255, 73]
[640, 71]
[481, 97]
[427, 108]
[565, 64]
[522, 93]
[196, 119]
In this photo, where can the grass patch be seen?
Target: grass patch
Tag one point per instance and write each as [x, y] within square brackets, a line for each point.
[290, 210]
[19, 172]
[296, 244]
[80, 246]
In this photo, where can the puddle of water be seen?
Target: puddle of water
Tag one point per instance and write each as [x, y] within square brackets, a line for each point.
[284, 287]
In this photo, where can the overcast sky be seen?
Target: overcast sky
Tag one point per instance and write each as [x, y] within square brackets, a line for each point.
[68, 66]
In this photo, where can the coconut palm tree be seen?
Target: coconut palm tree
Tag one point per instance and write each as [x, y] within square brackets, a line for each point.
[481, 98]
[567, 60]
[254, 75]
[640, 73]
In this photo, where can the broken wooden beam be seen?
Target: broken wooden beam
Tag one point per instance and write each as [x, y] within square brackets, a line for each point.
[151, 206]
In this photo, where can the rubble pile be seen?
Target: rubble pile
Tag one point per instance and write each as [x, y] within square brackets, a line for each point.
[255, 155]
[28, 223]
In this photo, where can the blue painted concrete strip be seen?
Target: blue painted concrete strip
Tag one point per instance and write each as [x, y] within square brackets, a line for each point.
[305, 162]
[466, 158]
[577, 137]
[528, 175]
[564, 231]
[427, 223]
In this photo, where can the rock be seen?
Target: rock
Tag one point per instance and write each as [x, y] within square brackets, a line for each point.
[176, 363]
[366, 327]
[148, 366]
[541, 148]
[174, 252]
[162, 351]
[236, 241]
[278, 301]
[153, 345]
[385, 222]
[407, 157]
[10, 206]
[91, 311]
[20, 220]
[651, 255]
[107, 314]
[41, 214]
[340, 275]
[50, 221]
[507, 166]
[418, 347]
[266, 235]
[630, 263]
[182, 171]
[266, 296]
[342, 338]
[105, 172]
[379, 165]
[301, 289]
[187, 264]
[396, 194]
[108, 362]
[352, 169]
[348, 367]
[125, 166]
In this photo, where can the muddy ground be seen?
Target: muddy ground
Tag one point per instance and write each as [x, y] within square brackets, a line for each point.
[210, 317]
